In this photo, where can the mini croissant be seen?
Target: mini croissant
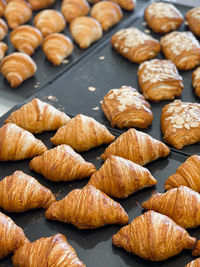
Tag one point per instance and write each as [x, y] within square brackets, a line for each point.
[38, 4]
[120, 177]
[3, 49]
[87, 208]
[196, 249]
[2, 7]
[47, 251]
[62, 163]
[18, 144]
[3, 29]
[126, 4]
[194, 263]
[82, 133]
[37, 116]
[136, 146]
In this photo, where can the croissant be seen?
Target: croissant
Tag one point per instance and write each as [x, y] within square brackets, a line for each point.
[12, 236]
[193, 19]
[47, 251]
[87, 208]
[3, 49]
[49, 21]
[17, 12]
[82, 133]
[57, 47]
[107, 13]
[62, 163]
[126, 4]
[85, 31]
[136, 146]
[18, 144]
[72, 9]
[37, 117]
[38, 4]
[3, 29]
[120, 177]
[196, 249]
[196, 81]
[18, 67]
[154, 237]
[194, 263]
[2, 7]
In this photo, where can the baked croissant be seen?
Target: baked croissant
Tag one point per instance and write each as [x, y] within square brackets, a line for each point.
[37, 116]
[136, 146]
[187, 174]
[57, 47]
[196, 81]
[3, 49]
[38, 4]
[49, 21]
[85, 31]
[193, 19]
[62, 163]
[194, 263]
[17, 12]
[154, 237]
[87, 208]
[126, 4]
[2, 7]
[18, 144]
[18, 67]
[12, 236]
[72, 9]
[107, 13]
[47, 251]
[3, 29]
[82, 133]
[196, 249]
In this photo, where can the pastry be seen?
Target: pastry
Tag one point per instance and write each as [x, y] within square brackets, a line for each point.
[194, 263]
[82, 133]
[196, 81]
[196, 249]
[62, 163]
[193, 19]
[136, 146]
[3, 29]
[182, 48]
[153, 236]
[159, 80]
[3, 49]
[126, 4]
[85, 31]
[120, 177]
[38, 4]
[37, 116]
[2, 7]
[87, 208]
[180, 123]
[126, 107]
[57, 47]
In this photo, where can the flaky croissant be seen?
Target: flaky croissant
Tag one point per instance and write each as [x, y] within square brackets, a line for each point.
[119, 177]
[154, 237]
[3, 49]
[196, 249]
[37, 116]
[3, 29]
[47, 251]
[125, 4]
[194, 263]
[82, 133]
[38, 4]
[2, 7]
[87, 208]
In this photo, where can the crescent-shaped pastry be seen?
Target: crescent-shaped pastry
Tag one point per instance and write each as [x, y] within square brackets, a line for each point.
[85, 31]
[135, 45]
[3, 29]
[153, 236]
[107, 13]
[182, 48]
[193, 19]
[2, 7]
[196, 249]
[125, 4]
[196, 81]
[180, 123]
[120, 177]
[37, 116]
[38, 4]
[57, 47]
[136, 146]
[62, 163]
[194, 263]
[159, 80]
[3, 49]
[87, 208]
[126, 107]
[49, 21]
[47, 251]
[18, 67]
[82, 133]
[17, 143]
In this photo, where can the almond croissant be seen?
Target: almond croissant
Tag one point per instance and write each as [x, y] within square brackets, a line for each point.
[154, 237]
[82, 133]
[2, 7]
[120, 177]
[136, 146]
[52, 251]
[87, 208]
[194, 263]
[3, 49]
[3, 29]
[38, 4]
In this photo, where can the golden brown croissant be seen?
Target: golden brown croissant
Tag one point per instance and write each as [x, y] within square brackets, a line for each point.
[62, 163]
[196, 81]
[136, 146]
[125, 4]
[120, 177]
[82, 133]
[193, 19]
[17, 12]
[38, 4]
[87, 208]
[18, 144]
[154, 237]
[194, 263]
[57, 47]
[12, 236]
[3, 49]
[47, 251]
[3, 29]
[85, 31]
[196, 249]
[18, 67]
[2, 7]
[37, 116]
